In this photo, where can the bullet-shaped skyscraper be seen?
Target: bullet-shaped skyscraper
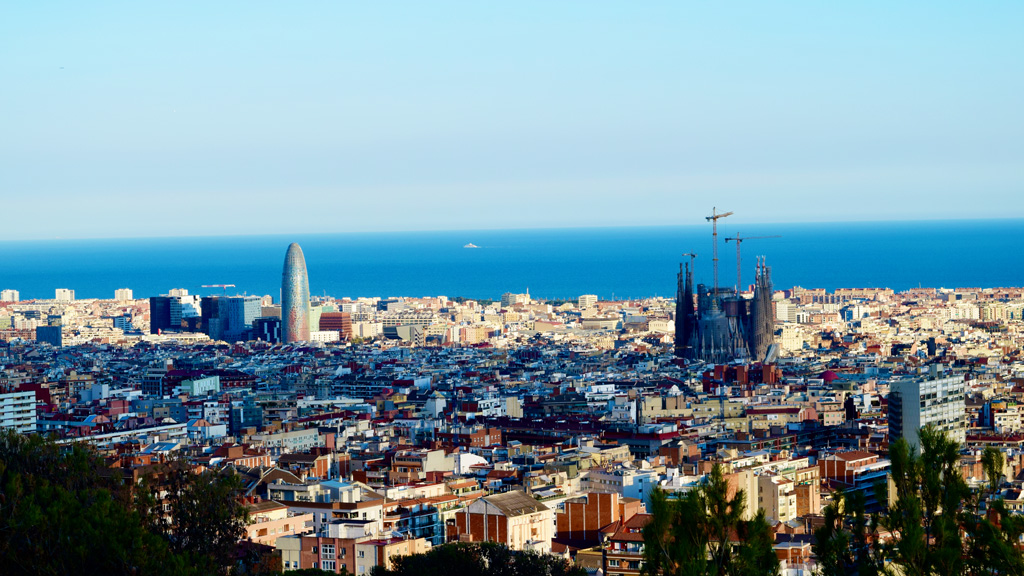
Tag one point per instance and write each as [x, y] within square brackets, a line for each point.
[295, 296]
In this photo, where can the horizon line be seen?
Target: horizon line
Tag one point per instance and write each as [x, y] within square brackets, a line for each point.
[513, 229]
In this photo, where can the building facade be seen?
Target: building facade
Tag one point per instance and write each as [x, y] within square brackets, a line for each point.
[933, 400]
[18, 412]
[295, 296]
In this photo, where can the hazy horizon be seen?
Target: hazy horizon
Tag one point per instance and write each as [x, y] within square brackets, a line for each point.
[725, 227]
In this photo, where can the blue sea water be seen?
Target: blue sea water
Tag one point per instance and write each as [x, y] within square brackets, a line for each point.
[552, 263]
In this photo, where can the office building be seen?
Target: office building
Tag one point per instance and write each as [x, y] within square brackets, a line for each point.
[174, 313]
[930, 399]
[237, 314]
[340, 322]
[159, 314]
[50, 334]
[64, 295]
[267, 329]
[295, 296]
[18, 412]
[210, 325]
[123, 294]
[9, 296]
[123, 323]
[315, 311]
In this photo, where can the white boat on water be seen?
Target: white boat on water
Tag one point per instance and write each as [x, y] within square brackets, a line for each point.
[470, 245]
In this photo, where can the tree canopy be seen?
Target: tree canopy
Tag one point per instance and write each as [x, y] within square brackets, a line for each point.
[703, 532]
[63, 511]
[479, 559]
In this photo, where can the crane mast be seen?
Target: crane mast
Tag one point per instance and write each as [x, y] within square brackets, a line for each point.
[714, 235]
[739, 269]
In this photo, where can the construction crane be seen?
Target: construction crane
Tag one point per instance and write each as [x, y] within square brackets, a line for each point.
[692, 256]
[714, 235]
[739, 241]
[221, 286]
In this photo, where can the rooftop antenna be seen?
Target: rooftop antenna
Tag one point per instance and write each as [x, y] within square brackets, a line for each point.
[714, 235]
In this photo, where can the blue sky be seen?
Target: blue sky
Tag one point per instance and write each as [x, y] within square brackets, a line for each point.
[196, 118]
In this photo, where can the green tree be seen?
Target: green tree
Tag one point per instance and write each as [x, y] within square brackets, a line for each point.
[703, 532]
[207, 517]
[843, 542]
[939, 525]
[63, 512]
[992, 462]
[479, 559]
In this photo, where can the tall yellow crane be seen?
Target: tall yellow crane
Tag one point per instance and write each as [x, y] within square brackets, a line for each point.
[739, 241]
[714, 234]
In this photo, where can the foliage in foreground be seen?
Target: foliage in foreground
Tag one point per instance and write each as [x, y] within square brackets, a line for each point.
[479, 559]
[62, 511]
[938, 525]
[703, 532]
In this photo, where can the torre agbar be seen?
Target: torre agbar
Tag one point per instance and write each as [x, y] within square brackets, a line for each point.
[295, 296]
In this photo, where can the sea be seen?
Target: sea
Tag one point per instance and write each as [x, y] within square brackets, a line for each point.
[613, 263]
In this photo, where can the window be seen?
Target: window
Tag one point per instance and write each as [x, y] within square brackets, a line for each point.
[359, 554]
[613, 563]
[327, 551]
[328, 565]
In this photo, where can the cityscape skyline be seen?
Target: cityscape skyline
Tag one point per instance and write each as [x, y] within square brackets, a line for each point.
[597, 288]
[622, 262]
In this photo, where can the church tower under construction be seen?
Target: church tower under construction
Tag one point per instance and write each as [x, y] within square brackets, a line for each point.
[719, 325]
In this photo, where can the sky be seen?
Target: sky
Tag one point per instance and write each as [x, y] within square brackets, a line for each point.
[207, 118]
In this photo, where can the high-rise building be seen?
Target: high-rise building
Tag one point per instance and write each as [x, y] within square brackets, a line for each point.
[18, 411]
[174, 313]
[123, 294]
[50, 334]
[315, 311]
[267, 329]
[587, 301]
[236, 315]
[340, 322]
[930, 399]
[210, 312]
[64, 295]
[295, 296]
[160, 314]
[9, 296]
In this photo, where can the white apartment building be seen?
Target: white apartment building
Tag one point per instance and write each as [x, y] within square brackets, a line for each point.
[324, 336]
[64, 295]
[509, 299]
[9, 296]
[927, 400]
[587, 301]
[367, 329]
[123, 294]
[18, 411]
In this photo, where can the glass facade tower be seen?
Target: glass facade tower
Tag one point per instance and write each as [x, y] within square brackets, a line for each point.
[295, 296]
